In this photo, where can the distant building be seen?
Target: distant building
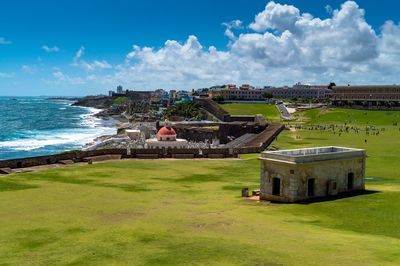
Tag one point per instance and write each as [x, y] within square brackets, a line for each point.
[296, 175]
[301, 91]
[231, 92]
[172, 94]
[366, 95]
[120, 90]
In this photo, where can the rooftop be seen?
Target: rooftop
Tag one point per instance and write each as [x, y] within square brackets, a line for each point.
[368, 87]
[313, 154]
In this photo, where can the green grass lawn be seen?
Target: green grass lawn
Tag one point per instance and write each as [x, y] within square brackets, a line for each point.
[173, 212]
[269, 111]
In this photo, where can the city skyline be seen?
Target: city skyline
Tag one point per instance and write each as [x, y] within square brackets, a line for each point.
[66, 48]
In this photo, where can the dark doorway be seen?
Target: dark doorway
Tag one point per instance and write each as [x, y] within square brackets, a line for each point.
[311, 187]
[350, 181]
[276, 186]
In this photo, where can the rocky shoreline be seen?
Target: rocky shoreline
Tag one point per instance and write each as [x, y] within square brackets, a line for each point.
[111, 118]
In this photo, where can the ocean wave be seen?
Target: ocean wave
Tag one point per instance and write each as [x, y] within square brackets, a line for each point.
[74, 138]
[48, 132]
[90, 120]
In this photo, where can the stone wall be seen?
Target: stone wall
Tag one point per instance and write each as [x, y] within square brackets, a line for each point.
[210, 131]
[216, 110]
[237, 129]
[266, 137]
[197, 134]
[79, 156]
[213, 108]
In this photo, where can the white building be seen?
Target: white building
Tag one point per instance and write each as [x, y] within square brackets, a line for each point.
[166, 138]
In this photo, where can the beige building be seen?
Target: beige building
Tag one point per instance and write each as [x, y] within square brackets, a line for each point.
[244, 92]
[301, 91]
[366, 95]
[301, 174]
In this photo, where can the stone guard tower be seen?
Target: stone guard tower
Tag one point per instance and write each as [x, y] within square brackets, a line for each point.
[301, 174]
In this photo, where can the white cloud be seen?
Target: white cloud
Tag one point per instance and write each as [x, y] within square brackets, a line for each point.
[176, 64]
[95, 65]
[29, 69]
[79, 54]
[230, 26]
[48, 49]
[281, 46]
[328, 9]
[303, 40]
[276, 16]
[89, 66]
[4, 41]
[64, 78]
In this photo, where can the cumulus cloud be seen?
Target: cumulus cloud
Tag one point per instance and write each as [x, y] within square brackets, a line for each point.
[303, 40]
[4, 41]
[276, 16]
[285, 46]
[48, 49]
[281, 46]
[178, 63]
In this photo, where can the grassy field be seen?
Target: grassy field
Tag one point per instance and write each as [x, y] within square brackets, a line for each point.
[173, 212]
[269, 111]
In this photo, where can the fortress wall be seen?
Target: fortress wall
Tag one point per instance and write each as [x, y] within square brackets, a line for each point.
[256, 146]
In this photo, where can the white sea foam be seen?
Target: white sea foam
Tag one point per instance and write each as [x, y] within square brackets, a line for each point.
[76, 138]
[90, 120]
[92, 128]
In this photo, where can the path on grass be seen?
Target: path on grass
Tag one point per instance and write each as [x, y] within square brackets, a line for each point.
[285, 114]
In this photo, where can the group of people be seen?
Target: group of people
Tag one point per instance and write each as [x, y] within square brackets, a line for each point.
[339, 129]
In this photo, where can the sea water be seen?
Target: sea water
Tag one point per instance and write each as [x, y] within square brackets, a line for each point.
[35, 126]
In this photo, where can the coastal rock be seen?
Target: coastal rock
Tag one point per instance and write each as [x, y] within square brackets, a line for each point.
[99, 102]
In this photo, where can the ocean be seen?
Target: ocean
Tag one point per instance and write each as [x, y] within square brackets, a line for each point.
[35, 126]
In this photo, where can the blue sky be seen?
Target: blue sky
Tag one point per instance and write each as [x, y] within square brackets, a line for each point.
[40, 39]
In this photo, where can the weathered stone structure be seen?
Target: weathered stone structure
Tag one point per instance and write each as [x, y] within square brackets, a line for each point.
[301, 174]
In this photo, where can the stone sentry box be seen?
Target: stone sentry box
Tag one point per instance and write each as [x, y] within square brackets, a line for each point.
[301, 174]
